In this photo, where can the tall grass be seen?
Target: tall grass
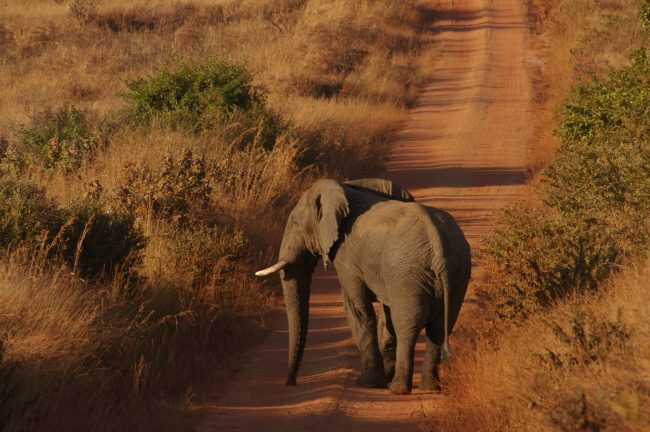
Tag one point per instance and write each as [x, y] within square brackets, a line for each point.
[107, 357]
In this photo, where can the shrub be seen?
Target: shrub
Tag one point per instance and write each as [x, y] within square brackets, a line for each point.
[90, 238]
[25, 214]
[62, 138]
[101, 242]
[170, 192]
[211, 95]
[546, 255]
[12, 160]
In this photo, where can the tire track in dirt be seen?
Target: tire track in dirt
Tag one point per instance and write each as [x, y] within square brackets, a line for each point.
[463, 149]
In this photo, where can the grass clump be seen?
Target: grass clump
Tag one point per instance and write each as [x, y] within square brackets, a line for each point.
[580, 365]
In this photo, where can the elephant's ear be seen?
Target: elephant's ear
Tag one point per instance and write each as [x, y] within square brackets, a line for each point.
[331, 208]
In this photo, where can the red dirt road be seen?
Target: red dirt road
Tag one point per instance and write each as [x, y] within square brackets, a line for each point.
[463, 149]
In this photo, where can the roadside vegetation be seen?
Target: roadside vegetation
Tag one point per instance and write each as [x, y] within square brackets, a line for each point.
[148, 157]
[563, 343]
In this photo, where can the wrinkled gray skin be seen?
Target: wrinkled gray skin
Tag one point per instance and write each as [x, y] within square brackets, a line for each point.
[411, 258]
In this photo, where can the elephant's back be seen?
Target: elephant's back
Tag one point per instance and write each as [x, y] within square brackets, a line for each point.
[394, 232]
[400, 229]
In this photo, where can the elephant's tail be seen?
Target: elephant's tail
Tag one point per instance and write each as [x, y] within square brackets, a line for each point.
[445, 354]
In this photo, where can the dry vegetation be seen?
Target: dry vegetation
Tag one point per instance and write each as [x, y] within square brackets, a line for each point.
[563, 340]
[581, 367]
[144, 174]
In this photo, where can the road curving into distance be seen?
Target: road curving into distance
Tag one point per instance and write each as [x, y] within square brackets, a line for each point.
[463, 149]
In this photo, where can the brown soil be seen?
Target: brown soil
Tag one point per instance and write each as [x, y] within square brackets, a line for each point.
[462, 150]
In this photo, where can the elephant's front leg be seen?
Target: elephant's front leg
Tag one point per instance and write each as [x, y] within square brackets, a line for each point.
[363, 323]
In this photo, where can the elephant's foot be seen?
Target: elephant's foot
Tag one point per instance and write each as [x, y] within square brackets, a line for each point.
[372, 380]
[399, 388]
[431, 386]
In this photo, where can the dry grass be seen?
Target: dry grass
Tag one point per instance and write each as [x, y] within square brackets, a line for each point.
[127, 355]
[507, 382]
[90, 357]
[575, 39]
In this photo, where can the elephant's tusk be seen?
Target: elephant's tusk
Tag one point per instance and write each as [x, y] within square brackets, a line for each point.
[272, 269]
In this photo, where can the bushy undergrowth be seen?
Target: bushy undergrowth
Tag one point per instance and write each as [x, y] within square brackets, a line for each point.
[205, 255]
[100, 241]
[645, 13]
[596, 196]
[91, 238]
[587, 339]
[579, 366]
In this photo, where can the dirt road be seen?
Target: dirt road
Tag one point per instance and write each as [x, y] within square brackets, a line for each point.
[463, 150]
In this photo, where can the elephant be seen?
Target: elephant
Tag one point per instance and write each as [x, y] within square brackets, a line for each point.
[386, 248]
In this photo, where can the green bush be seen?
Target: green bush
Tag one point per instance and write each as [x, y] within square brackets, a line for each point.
[596, 196]
[210, 95]
[26, 215]
[171, 192]
[63, 138]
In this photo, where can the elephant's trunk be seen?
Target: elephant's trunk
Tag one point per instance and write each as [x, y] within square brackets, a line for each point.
[296, 284]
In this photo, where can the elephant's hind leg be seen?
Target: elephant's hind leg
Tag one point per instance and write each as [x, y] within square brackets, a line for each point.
[387, 342]
[430, 381]
[408, 319]
[363, 323]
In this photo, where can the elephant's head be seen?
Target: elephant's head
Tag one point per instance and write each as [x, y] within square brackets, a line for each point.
[312, 230]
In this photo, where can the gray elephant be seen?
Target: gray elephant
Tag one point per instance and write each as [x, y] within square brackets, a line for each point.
[411, 258]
